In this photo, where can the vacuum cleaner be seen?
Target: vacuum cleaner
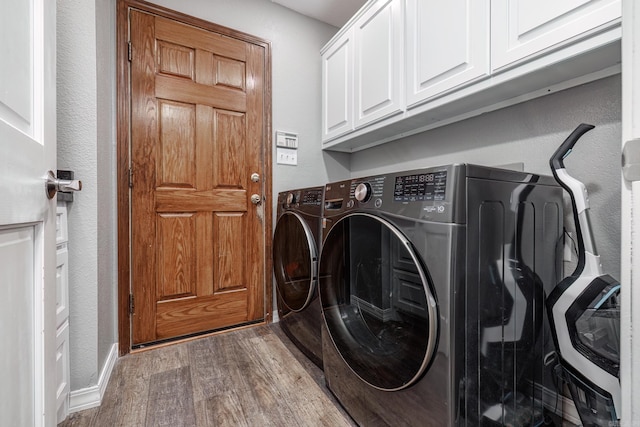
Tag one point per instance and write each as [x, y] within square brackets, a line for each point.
[584, 312]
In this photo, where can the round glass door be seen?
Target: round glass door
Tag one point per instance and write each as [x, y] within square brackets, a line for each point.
[377, 302]
[294, 261]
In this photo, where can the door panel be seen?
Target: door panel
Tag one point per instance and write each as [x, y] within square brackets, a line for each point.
[27, 217]
[198, 244]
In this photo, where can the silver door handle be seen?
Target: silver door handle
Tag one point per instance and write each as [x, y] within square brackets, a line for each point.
[256, 199]
[54, 185]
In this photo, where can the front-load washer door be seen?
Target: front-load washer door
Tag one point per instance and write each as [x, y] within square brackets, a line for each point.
[377, 301]
[295, 259]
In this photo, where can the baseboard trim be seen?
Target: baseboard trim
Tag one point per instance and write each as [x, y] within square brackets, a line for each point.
[91, 397]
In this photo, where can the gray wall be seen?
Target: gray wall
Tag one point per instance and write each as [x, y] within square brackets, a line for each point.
[86, 83]
[529, 133]
[106, 152]
[77, 136]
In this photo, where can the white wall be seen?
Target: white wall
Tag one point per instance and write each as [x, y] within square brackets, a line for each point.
[530, 132]
[86, 82]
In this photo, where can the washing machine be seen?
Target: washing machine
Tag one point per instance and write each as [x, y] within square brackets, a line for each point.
[432, 286]
[295, 265]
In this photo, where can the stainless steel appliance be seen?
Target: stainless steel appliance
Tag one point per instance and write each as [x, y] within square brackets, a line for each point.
[432, 287]
[295, 262]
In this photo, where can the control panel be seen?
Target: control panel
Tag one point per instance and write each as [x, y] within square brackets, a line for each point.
[422, 187]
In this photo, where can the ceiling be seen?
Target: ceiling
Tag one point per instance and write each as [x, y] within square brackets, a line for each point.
[333, 12]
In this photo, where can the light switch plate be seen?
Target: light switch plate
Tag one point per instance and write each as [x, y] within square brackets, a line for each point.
[286, 156]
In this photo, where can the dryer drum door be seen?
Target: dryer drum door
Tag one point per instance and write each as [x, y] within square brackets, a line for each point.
[377, 301]
[295, 260]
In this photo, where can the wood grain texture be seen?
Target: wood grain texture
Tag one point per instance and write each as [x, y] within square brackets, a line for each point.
[229, 257]
[123, 164]
[176, 256]
[189, 35]
[258, 160]
[176, 60]
[184, 316]
[230, 166]
[195, 93]
[230, 73]
[182, 111]
[201, 200]
[163, 408]
[176, 162]
[227, 62]
[251, 377]
[144, 136]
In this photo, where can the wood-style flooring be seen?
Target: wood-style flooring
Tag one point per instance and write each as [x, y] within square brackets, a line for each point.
[250, 377]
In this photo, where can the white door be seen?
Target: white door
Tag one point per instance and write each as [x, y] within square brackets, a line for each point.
[630, 258]
[27, 217]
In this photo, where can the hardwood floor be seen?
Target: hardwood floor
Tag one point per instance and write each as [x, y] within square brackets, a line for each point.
[251, 377]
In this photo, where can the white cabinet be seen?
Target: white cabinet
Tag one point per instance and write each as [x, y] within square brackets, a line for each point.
[455, 60]
[447, 46]
[62, 313]
[362, 70]
[337, 87]
[522, 29]
[378, 62]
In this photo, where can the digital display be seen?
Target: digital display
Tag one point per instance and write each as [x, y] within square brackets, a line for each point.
[312, 197]
[420, 187]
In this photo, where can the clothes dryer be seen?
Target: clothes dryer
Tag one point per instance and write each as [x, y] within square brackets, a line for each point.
[295, 262]
[432, 287]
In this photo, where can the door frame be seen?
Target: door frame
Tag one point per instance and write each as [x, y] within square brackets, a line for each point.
[123, 154]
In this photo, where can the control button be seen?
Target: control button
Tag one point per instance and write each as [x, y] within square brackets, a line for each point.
[378, 203]
[350, 204]
[363, 192]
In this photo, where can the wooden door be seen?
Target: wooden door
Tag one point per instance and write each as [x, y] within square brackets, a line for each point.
[27, 216]
[197, 135]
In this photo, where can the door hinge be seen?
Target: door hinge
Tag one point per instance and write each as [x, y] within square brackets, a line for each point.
[130, 51]
[130, 177]
[131, 304]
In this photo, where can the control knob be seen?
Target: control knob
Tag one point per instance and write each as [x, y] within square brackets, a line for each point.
[363, 192]
[291, 199]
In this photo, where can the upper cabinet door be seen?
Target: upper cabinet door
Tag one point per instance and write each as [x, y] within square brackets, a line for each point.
[447, 46]
[337, 87]
[378, 62]
[524, 28]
